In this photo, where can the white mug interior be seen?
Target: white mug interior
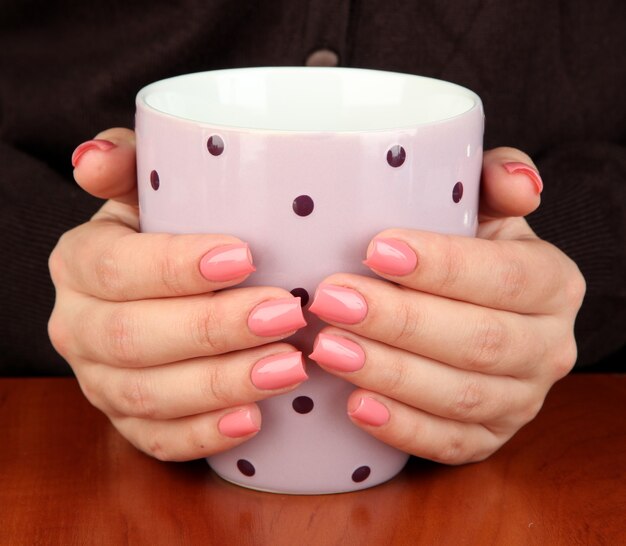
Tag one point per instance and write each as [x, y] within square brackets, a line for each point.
[309, 99]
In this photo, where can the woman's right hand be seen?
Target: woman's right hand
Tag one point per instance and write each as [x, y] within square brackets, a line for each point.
[174, 362]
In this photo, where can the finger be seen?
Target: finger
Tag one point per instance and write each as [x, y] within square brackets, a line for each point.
[109, 260]
[510, 185]
[525, 276]
[105, 166]
[145, 333]
[192, 437]
[501, 401]
[195, 386]
[419, 433]
[462, 335]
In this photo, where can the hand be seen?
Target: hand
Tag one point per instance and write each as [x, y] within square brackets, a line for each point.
[175, 363]
[460, 351]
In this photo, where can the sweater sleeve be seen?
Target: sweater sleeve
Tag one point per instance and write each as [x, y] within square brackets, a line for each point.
[583, 212]
[36, 206]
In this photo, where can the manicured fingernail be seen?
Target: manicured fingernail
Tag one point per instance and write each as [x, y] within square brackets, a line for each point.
[279, 371]
[338, 353]
[238, 423]
[515, 167]
[339, 304]
[96, 144]
[369, 411]
[391, 256]
[227, 262]
[276, 317]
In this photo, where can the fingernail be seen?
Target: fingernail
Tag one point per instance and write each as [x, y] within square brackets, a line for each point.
[279, 371]
[238, 423]
[339, 304]
[338, 353]
[533, 174]
[369, 411]
[96, 144]
[391, 256]
[227, 262]
[276, 317]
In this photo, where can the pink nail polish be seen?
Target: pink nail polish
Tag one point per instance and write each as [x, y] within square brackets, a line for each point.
[515, 167]
[369, 411]
[227, 262]
[391, 256]
[279, 371]
[276, 317]
[96, 144]
[238, 423]
[339, 304]
[337, 353]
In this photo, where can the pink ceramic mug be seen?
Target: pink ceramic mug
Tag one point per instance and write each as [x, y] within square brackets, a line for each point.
[306, 165]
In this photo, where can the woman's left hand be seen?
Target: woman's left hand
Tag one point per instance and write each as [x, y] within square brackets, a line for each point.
[458, 352]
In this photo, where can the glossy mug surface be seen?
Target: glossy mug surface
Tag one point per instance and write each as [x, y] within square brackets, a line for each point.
[307, 165]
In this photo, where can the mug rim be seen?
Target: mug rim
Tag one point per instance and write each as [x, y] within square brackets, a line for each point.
[145, 98]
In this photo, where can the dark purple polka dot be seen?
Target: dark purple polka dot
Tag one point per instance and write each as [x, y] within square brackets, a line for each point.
[457, 192]
[303, 205]
[246, 467]
[302, 404]
[396, 155]
[215, 145]
[302, 294]
[361, 474]
[154, 180]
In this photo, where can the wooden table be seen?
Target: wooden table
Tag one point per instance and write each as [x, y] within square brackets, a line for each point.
[67, 477]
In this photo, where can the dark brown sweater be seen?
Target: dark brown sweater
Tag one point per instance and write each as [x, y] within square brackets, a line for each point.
[552, 76]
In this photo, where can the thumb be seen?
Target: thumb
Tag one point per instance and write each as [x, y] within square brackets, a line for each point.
[105, 166]
[511, 185]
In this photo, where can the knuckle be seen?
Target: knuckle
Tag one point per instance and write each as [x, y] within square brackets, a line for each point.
[56, 265]
[171, 265]
[529, 411]
[568, 286]
[193, 442]
[408, 437]
[215, 387]
[514, 280]
[469, 398]
[405, 440]
[196, 440]
[454, 450]
[59, 334]
[120, 336]
[393, 378]
[487, 343]
[408, 319]
[452, 265]
[564, 359]
[134, 397]
[575, 288]
[92, 391]
[107, 273]
[157, 447]
[207, 329]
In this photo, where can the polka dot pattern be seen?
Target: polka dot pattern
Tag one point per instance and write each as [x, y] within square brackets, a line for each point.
[303, 205]
[457, 192]
[302, 404]
[246, 467]
[154, 180]
[396, 156]
[215, 145]
[302, 294]
[361, 474]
